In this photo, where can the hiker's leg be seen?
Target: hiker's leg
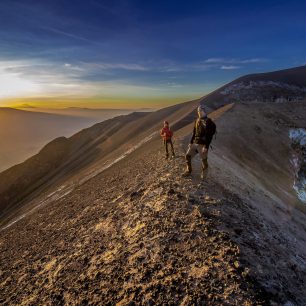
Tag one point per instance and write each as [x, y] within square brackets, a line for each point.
[191, 152]
[166, 147]
[204, 163]
[172, 148]
[188, 164]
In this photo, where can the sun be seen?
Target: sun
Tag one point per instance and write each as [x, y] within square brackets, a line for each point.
[12, 85]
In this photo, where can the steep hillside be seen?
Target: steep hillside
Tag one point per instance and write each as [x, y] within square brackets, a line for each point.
[255, 141]
[292, 76]
[85, 154]
[21, 180]
[140, 233]
[95, 148]
[281, 86]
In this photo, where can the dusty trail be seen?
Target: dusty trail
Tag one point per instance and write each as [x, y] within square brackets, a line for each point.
[150, 239]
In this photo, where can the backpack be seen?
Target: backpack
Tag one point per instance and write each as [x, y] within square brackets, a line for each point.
[212, 128]
[205, 129]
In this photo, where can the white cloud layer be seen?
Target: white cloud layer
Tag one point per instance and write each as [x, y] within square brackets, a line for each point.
[220, 60]
[38, 77]
[229, 67]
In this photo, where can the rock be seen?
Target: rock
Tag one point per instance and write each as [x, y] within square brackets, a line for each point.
[171, 191]
[238, 231]
[289, 303]
[236, 264]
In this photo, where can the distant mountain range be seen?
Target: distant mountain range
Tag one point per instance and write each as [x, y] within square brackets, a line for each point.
[92, 113]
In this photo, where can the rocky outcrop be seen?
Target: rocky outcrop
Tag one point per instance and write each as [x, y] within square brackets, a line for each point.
[264, 91]
[298, 161]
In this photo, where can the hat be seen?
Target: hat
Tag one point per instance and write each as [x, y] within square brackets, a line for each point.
[201, 108]
[201, 112]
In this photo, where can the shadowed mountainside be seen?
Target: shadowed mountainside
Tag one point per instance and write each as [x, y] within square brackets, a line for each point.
[20, 180]
[23, 133]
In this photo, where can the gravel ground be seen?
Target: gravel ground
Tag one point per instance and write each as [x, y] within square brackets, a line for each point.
[136, 234]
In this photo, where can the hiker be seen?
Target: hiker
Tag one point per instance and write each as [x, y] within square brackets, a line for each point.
[203, 131]
[167, 134]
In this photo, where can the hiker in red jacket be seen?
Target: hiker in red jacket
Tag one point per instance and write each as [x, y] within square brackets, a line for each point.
[167, 134]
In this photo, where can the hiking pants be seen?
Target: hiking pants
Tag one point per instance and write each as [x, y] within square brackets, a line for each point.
[166, 142]
[194, 149]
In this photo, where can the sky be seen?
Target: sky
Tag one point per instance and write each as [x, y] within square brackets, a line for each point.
[136, 53]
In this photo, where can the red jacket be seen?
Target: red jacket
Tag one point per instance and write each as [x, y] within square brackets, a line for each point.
[165, 133]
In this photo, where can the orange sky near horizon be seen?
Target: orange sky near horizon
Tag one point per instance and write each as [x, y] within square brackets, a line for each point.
[93, 102]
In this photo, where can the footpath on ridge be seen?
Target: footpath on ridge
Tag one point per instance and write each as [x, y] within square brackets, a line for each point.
[138, 233]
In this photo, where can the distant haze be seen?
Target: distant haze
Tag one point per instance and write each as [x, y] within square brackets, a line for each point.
[24, 133]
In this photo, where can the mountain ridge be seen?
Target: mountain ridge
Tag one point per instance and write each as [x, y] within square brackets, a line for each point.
[139, 232]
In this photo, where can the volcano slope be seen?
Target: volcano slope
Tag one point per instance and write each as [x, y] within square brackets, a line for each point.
[65, 163]
[138, 233]
[131, 234]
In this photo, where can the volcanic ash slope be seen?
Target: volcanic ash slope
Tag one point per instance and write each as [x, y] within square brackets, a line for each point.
[138, 233]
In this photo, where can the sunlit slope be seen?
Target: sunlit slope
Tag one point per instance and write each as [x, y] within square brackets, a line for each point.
[72, 161]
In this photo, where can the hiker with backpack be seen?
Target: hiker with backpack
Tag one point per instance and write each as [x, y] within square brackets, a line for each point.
[203, 131]
[167, 134]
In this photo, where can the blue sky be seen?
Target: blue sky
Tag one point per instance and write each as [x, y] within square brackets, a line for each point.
[143, 49]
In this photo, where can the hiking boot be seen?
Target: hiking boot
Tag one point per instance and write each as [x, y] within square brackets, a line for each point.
[204, 169]
[186, 174]
[188, 163]
[204, 174]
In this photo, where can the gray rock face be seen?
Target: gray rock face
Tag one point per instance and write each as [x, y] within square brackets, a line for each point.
[265, 91]
[298, 161]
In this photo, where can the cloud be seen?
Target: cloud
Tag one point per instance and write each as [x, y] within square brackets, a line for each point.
[176, 67]
[123, 66]
[73, 67]
[220, 60]
[252, 60]
[174, 85]
[36, 78]
[215, 60]
[229, 67]
[13, 83]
